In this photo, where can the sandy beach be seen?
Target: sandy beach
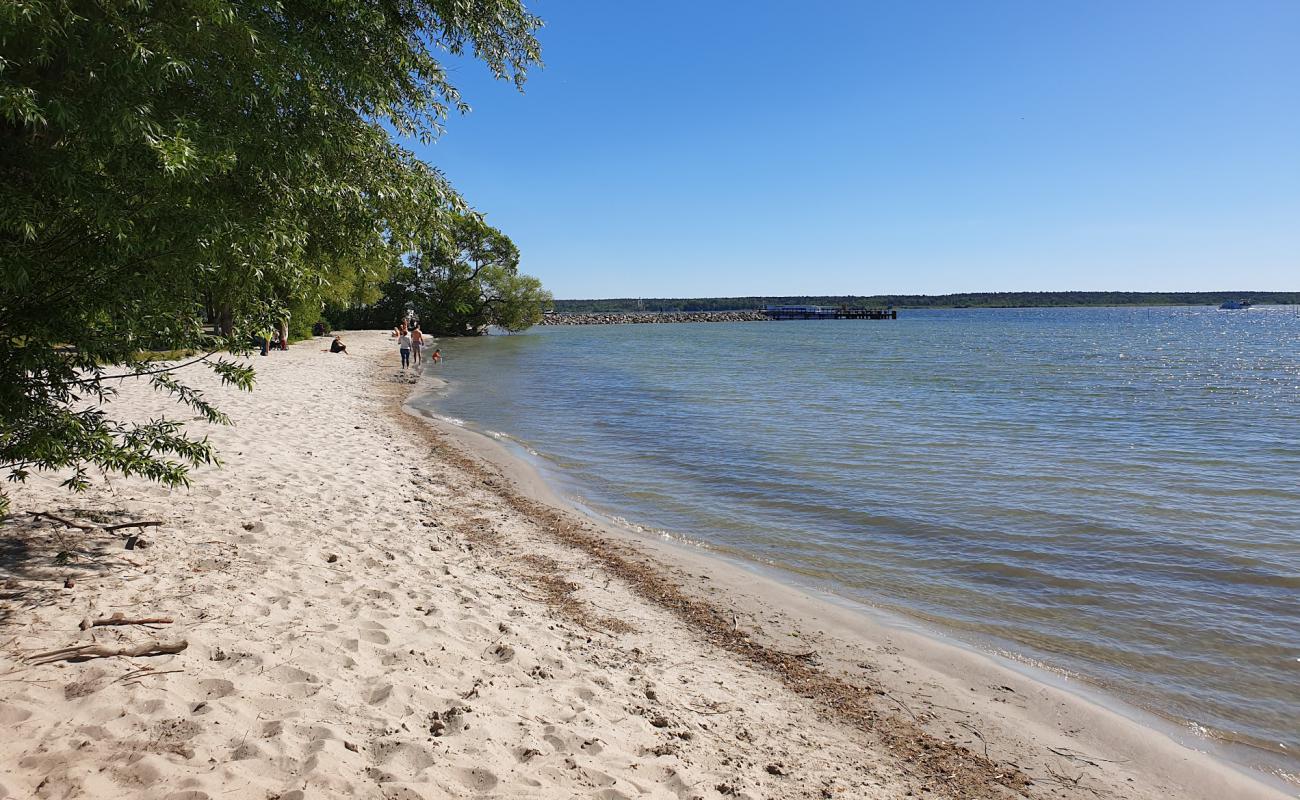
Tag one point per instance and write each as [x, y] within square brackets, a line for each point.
[365, 603]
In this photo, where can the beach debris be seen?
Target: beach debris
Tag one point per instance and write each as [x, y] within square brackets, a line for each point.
[85, 652]
[502, 653]
[132, 540]
[68, 583]
[776, 769]
[118, 618]
[37, 515]
[139, 525]
[330, 558]
[664, 749]
[449, 721]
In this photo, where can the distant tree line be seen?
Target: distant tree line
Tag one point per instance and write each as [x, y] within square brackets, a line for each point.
[966, 300]
[457, 284]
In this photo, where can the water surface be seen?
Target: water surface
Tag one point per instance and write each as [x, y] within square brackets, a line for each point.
[1115, 492]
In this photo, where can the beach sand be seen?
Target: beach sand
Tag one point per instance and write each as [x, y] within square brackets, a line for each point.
[376, 606]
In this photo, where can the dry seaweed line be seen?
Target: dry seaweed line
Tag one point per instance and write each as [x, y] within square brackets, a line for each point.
[957, 768]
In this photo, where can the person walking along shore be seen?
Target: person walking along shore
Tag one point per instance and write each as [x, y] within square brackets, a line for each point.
[404, 346]
[417, 341]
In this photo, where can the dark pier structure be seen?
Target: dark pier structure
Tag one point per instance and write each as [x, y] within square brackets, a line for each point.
[828, 312]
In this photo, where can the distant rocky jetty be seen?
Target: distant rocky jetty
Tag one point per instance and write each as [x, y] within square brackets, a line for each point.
[649, 317]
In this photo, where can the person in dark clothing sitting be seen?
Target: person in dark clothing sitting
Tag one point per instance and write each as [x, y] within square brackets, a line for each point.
[337, 346]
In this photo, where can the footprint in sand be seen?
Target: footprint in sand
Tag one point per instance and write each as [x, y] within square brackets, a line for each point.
[407, 757]
[373, 636]
[247, 751]
[217, 687]
[479, 780]
[12, 715]
[501, 653]
[378, 594]
[288, 674]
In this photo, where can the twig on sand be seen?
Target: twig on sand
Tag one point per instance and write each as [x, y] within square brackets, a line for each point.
[1061, 779]
[978, 735]
[135, 674]
[133, 540]
[117, 618]
[36, 516]
[84, 652]
[714, 713]
[142, 524]
[1082, 757]
[900, 703]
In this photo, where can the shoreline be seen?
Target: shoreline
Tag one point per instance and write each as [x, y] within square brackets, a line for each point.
[1115, 724]
[363, 607]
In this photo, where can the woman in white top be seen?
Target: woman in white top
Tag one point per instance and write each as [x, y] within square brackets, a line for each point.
[404, 344]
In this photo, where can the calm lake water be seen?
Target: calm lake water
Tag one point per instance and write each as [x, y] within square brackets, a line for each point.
[1115, 492]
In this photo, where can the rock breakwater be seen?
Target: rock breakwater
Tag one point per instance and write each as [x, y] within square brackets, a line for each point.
[647, 317]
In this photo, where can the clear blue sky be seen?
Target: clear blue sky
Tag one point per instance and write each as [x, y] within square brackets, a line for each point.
[731, 148]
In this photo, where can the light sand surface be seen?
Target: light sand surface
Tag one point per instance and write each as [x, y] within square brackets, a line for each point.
[372, 609]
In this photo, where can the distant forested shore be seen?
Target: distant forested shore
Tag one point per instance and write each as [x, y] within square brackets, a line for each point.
[968, 300]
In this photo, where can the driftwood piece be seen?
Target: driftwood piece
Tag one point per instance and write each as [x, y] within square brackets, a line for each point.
[133, 540]
[36, 515]
[83, 652]
[139, 525]
[142, 524]
[118, 618]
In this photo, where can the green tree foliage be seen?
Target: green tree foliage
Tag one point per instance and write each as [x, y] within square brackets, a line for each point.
[167, 163]
[459, 283]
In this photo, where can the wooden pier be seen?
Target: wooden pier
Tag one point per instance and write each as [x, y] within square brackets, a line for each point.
[828, 312]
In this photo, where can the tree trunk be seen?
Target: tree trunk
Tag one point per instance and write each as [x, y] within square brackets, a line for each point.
[226, 320]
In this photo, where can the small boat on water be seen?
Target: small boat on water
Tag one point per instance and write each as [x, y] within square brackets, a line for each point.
[1233, 305]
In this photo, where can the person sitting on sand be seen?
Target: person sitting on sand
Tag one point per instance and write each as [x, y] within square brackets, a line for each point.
[337, 346]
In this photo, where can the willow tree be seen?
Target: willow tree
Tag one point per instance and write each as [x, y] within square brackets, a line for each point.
[169, 164]
[467, 279]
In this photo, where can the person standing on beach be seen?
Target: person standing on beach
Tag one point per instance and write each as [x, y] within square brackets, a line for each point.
[417, 339]
[404, 345]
